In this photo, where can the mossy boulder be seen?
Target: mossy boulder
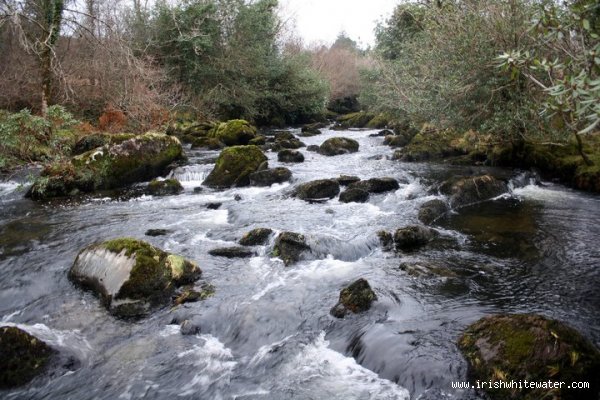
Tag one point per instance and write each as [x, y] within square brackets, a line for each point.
[258, 140]
[231, 252]
[95, 140]
[290, 156]
[431, 144]
[396, 140]
[320, 189]
[310, 131]
[137, 159]
[355, 298]
[256, 237]
[386, 240]
[210, 143]
[354, 195]
[432, 210]
[289, 247]
[236, 132]
[234, 166]
[337, 146]
[355, 120]
[22, 357]
[533, 348]
[131, 276]
[164, 187]
[413, 237]
[465, 191]
[376, 185]
[379, 121]
[270, 176]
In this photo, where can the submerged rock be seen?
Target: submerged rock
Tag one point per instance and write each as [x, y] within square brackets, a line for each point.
[157, 232]
[533, 348]
[432, 210]
[317, 190]
[256, 237]
[131, 276]
[290, 156]
[413, 237]
[313, 148]
[114, 165]
[234, 166]
[338, 145]
[354, 195]
[354, 298]
[164, 187]
[289, 247]
[270, 176]
[376, 185]
[237, 132]
[471, 190]
[232, 252]
[22, 357]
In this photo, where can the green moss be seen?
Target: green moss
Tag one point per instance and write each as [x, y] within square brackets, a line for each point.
[164, 187]
[431, 143]
[379, 121]
[234, 166]
[22, 357]
[234, 133]
[355, 120]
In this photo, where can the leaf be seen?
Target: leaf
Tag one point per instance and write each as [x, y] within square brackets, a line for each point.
[586, 24]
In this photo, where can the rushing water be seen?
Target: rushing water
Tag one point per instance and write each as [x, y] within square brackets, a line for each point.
[267, 332]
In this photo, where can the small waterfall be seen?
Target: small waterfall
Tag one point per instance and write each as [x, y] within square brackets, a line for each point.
[190, 173]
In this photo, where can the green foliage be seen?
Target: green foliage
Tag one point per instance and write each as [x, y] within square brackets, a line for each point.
[225, 52]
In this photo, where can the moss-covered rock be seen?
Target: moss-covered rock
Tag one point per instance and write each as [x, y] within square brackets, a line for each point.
[532, 348]
[354, 195]
[270, 176]
[131, 276]
[317, 190]
[232, 252]
[354, 298]
[376, 185]
[164, 187]
[386, 240]
[431, 144]
[345, 180]
[237, 132]
[210, 143]
[258, 141]
[289, 247]
[22, 357]
[355, 120]
[379, 121]
[234, 166]
[310, 131]
[432, 210]
[290, 156]
[465, 191]
[137, 159]
[95, 140]
[256, 237]
[413, 237]
[338, 145]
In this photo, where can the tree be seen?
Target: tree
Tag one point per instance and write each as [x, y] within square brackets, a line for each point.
[38, 23]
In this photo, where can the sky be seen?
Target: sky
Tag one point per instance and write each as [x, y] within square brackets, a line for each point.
[323, 20]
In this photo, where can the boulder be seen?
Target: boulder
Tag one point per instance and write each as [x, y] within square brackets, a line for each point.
[307, 132]
[413, 237]
[317, 190]
[234, 166]
[256, 237]
[164, 187]
[111, 166]
[288, 144]
[22, 357]
[533, 348]
[355, 120]
[338, 145]
[157, 232]
[376, 185]
[232, 252]
[210, 143]
[354, 298]
[345, 180]
[237, 132]
[271, 176]
[354, 195]
[131, 276]
[95, 140]
[258, 140]
[313, 148]
[396, 140]
[471, 190]
[289, 247]
[386, 240]
[284, 135]
[290, 156]
[432, 210]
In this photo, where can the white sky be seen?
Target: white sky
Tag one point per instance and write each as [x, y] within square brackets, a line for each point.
[323, 20]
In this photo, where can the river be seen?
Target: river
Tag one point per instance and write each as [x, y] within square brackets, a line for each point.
[267, 332]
